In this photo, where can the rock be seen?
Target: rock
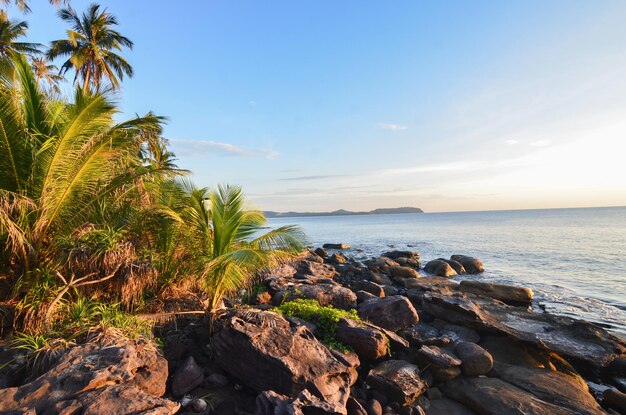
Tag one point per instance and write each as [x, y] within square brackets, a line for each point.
[198, 405]
[442, 374]
[263, 297]
[447, 407]
[307, 269]
[398, 380]
[338, 258]
[438, 357]
[582, 341]
[380, 264]
[505, 293]
[272, 403]
[491, 396]
[373, 407]
[509, 351]
[326, 294]
[187, 377]
[267, 354]
[336, 246]
[551, 386]
[355, 408]
[439, 268]
[615, 399]
[408, 262]
[367, 342]
[457, 333]
[125, 377]
[425, 334]
[362, 296]
[398, 272]
[475, 360]
[321, 252]
[456, 266]
[381, 279]
[402, 254]
[393, 313]
[215, 380]
[370, 287]
[471, 265]
[390, 290]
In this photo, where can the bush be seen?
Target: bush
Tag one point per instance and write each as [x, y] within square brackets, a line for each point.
[325, 319]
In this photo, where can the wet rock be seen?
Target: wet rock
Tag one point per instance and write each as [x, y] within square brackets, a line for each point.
[266, 353]
[370, 287]
[393, 313]
[402, 254]
[125, 377]
[398, 272]
[475, 360]
[398, 380]
[447, 407]
[336, 246]
[187, 377]
[505, 293]
[456, 266]
[472, 265]
[615, 399]
[582, 341]
[491, 396]
[439, 268]
[369, 343]
[438, 357]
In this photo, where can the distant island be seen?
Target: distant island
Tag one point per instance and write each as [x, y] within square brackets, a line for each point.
[343, 212]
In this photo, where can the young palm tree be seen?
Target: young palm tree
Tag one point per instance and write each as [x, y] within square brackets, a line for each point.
[47, 72]
[91, 47]
[233, 247]
[10, 30]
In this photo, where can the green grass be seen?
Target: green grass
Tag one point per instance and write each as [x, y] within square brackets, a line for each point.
[325, 319]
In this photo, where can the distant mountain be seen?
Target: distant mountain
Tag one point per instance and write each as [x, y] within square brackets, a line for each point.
[343, 212]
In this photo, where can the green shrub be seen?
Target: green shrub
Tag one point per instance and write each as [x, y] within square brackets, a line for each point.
[325, 319]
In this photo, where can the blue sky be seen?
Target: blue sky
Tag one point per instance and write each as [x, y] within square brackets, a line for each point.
[320, 105]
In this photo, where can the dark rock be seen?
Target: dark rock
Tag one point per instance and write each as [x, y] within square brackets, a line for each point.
[439, 268]
[326, 294]
[393, 313]
[390, 290]
[336, 246]
[615, 399]
[362, 296]
[125, 377]
[398, 380]
[457, 333]
[216, 380]
[380, 279]
[355, 408]
[369, 343]
[505, 293]
[438, 357]
[491, 396]
[434, 394]
[380, 264]
[506, 350]
[402, 254]
[442, 374]
[338, 258]
[408, 262]
[447, 407]
[471, 265]
[425, 334]
[456, 266]
[370, 287]
[475, 360]
[198, 405]
[187, 377]
[321, 252]
[272, 403]
[266, 353]
[398, 272]
[373, 407]
[307, 269]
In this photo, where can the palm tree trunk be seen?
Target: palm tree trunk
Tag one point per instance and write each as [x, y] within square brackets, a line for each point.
[87, 79]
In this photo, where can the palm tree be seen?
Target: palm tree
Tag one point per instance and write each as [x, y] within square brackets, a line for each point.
[10, 30]
[233, 249]
[22, 5]
[49, 73]
[90, 47]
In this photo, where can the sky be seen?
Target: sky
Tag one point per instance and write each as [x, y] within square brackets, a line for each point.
[444, 105]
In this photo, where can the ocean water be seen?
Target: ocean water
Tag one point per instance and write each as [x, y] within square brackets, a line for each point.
[573, 259]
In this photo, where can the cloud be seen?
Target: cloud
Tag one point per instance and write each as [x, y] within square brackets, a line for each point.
[541, 143]
[319, 177]
[203, 147]
[392, 127]
[511, 142]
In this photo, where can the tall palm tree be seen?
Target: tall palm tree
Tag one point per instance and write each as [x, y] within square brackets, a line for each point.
[47, 72]
[91, 47]
[10, 30]
[22, 5]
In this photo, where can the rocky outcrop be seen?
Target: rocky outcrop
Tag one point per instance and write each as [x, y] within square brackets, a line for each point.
[393, 313]
[505, 293]
[368, 342]
[122, 378]
[398, 380]
[398, 272]
[266, 353]
[326, 294]
[472, 265]
[439, 268]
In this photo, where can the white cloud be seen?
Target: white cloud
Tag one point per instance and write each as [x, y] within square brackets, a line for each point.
[541, 143]
[511, 142]
[391, 127]
[203, 147]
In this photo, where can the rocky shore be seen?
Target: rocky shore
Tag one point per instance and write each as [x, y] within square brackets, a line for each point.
[411, 341]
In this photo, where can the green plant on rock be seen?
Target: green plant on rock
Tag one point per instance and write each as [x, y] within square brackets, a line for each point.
[324, 317]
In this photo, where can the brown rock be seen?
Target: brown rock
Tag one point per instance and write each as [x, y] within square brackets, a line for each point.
[393, 313]
[398, 272]
[336, 246]
[456, 266]
[402, 254]
[471, 265]
[367, 342]
[505, 293]
[370, 287]
[362, 296]
[615, 399]
[475, 360]
[439, 268]
[447, 407]
[187, 377]
[380, 264]
[438, 357]
[398, 380]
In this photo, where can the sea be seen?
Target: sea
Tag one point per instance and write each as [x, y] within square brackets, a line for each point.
[573, 259]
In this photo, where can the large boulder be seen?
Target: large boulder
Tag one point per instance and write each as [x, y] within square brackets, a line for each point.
[505, 293]
[456, 265]
[380, 264]
[476, 361]
[368, 342]
[267, 354]
[127, 377]
[491, 396]
[370, 287]
[437, 356]
[326, 294]
[472, 265]
[398, 272]
[439, 268]
[400, 381]
[393, 313]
